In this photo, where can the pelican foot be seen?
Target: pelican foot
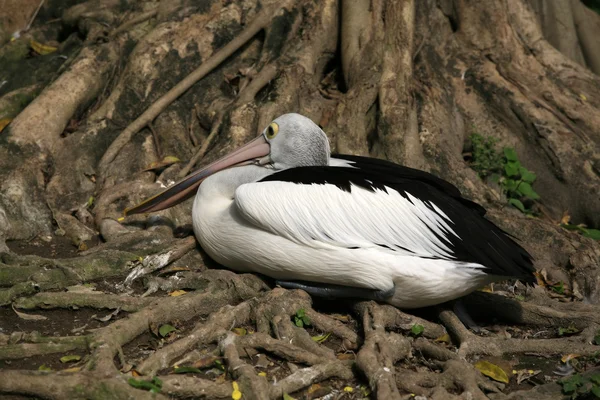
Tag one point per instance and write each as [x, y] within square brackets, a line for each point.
[337, 291]
[461, 312]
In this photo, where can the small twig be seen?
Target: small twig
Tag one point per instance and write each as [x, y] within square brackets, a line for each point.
[34, 15]
[202, 150]
[156, 142]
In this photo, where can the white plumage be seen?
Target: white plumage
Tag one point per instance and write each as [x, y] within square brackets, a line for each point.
[295, 214]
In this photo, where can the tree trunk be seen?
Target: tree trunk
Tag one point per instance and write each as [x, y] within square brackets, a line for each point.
[408, 81]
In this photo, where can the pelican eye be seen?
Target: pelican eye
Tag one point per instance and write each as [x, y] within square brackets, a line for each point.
[272, 130]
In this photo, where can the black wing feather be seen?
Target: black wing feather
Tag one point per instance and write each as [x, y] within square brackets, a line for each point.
[480, 240]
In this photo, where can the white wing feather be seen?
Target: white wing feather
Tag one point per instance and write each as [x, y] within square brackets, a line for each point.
[320, 216]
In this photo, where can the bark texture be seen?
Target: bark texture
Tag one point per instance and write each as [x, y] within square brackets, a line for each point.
[133, 82]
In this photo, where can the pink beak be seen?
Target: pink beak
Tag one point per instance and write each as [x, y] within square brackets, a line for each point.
[188, 186]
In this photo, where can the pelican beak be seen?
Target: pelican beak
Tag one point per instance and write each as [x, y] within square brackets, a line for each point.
[257, 151]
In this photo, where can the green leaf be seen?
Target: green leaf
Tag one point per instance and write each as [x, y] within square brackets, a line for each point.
[510, 154]
[321, 338]
[596, 341]
[592, 233]
[165, 329]
[510, 185]
[511, 168]
[44, 367]
[525, 189]
[567, 331]
[66, 359]
[185, 370]
[596, 391]
[559, 288]
[288, 397]
[153, 386]
[517, 203]
[527, 175]
[569, 387]
[417, 330]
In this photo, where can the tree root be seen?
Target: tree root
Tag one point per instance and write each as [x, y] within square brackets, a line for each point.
[38, 345]
[470, 344]
[79, 385]
[68, 300]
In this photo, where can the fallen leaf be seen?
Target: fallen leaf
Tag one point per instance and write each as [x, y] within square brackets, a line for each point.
[569, 357]
[262, 373]
[345, 356]
[4, 122]
[288, 397]
[445, 338]
[165, 162]
[492, 370]
[44, 367]
[566, 218]
[321, 338]
[29, 317]
[582, 96]
[236, 394]
[71, 358]
[165, 329]
[185, 370]
[525, 374]
[176, 293]
[240, 331]
[73, 369]
[417, 330]
[348, 389]
[109, 316]
[42, 49]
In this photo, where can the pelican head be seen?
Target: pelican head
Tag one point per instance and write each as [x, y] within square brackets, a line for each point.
[291, 140]
[296, 141]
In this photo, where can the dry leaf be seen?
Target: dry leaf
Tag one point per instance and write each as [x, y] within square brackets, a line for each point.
[566, 218]
[176, 293]
[569, 357]
[165, 162]
[582, 96]
[492, 370]
[345, 356]
[29, 317]
[66, 359]
[236, 394]
[445, 338]
[42, 49]
[4, 122]
[74, 369]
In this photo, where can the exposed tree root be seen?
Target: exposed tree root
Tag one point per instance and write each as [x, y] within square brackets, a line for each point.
[409, 82]
[78, 385]
[470, 344]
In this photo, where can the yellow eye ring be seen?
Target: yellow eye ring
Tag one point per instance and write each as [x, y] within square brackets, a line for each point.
[272, 130]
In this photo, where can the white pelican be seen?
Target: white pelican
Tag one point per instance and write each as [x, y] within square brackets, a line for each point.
[343, 226]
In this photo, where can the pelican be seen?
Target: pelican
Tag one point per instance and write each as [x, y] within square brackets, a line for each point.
[342, 226]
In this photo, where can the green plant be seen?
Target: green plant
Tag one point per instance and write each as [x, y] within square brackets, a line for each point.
[514, 179]
[578, 386]
[485, 158]
[417, 330]
[301, 319]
